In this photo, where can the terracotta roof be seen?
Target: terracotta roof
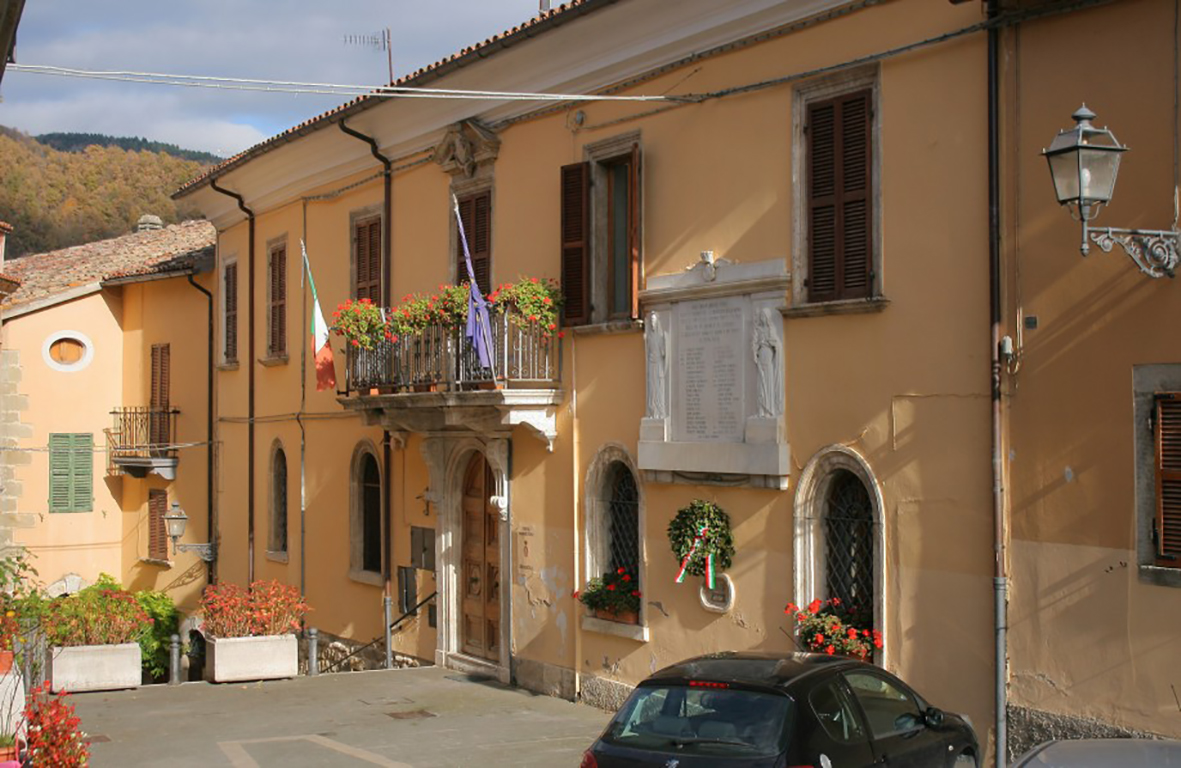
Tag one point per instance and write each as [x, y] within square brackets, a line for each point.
[44, 275]
[421, 77]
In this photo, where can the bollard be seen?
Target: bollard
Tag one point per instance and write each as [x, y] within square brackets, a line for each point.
[313, 651]
[389, 638]
[174, 660]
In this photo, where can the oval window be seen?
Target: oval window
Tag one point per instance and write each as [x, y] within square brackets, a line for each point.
[67, 351]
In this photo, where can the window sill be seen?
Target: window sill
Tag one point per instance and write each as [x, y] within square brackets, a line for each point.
[1160, 575]
[228, 365]
[272, 360]
[844, 307]
[637, 632]
[372, 578]
[612, 326]
[155, 561]
[277, 557]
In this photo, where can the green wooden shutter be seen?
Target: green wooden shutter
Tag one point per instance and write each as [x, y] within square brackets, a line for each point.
[71, 472]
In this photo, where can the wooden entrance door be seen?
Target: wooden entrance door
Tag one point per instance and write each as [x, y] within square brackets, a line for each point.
[481, 563]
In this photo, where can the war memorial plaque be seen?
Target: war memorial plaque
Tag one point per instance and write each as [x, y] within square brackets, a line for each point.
[709, 404]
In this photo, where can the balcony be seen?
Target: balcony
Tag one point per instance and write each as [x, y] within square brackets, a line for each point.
[432, 381]
[143, 440]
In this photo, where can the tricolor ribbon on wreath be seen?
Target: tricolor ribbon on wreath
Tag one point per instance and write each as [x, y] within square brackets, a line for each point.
[709, 558]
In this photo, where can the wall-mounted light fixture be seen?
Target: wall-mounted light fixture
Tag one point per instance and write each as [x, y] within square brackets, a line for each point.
[1084, 162]
[176, 520]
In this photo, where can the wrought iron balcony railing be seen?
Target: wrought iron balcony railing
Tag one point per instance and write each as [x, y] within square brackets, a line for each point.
[142, 439]
[443, 358]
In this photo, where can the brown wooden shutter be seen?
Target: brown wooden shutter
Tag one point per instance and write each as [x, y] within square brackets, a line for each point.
[840, 215]
[277, 340]
[157, 533]
[158, 407]
[633, 229]
[1168, 478]
[476, 214]
[231, 307]
[367, 236]
[576, 243]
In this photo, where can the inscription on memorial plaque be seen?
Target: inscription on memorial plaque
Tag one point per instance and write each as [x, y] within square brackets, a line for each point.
[710, 358]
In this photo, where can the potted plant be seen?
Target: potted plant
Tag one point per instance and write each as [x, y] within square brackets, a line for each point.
[249, 632]
[828, 626]
[94, 638]
[54, 737]
[361, 323]
[614, 596]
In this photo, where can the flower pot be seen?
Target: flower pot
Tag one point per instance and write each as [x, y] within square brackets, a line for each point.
[623, 617]
[95, 667]
[5, 662]
[268, 657]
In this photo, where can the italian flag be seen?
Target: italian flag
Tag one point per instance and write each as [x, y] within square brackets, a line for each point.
[325, 365]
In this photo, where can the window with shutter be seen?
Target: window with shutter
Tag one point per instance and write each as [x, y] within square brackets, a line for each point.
[157, 533]
[231, 312]
[1168, 479]
[475, 211]
[158, 416]
[71, 472]
[277, 302]
[575, 243]
[367, 265]
[839, 197]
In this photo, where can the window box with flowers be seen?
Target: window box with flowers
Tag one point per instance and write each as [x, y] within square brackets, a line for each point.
[827, 626]
[93, 637]
[614, 603]
[250, 632]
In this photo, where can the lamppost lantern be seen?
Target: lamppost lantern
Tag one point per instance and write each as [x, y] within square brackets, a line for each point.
[1084, 163]
[175, 521]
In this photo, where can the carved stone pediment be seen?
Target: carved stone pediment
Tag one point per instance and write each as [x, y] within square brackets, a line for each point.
[466, 147]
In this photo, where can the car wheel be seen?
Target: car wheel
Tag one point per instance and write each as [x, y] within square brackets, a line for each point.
[964, 760]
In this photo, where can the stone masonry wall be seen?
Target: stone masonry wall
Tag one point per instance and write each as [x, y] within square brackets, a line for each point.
[13, 408]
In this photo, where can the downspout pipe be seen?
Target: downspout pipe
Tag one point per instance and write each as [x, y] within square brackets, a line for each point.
[211, 566]
[1000, 579]
[250, 362]
[386, 450]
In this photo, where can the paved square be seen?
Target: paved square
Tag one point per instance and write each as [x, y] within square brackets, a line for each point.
[418, 718]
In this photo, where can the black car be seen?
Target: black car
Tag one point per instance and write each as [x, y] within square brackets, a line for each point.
[751, 710]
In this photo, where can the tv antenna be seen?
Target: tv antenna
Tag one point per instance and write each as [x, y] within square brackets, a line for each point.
[382, 41]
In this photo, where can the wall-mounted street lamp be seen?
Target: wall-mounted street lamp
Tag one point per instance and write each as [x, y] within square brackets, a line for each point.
[1084, 162]
[176, 520]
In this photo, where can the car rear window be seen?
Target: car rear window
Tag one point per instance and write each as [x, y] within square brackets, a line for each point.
[704, 721]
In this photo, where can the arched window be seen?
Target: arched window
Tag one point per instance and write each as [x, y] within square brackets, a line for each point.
[278, 535]
[849, 543]
[366, 550]
[622, 502]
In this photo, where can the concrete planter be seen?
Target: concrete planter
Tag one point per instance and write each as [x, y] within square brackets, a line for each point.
[270, 657]
[95, 667]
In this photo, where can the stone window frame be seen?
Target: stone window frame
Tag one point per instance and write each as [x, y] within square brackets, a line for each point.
[808, 512]
[596, 552]
[224, 362]
[820, 89]
[273, 552]
[600, 156]
[356, 516]
[1147, 380]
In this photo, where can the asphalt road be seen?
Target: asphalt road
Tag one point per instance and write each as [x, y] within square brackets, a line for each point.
[411, 717]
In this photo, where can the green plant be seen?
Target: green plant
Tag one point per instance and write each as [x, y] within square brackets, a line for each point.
[156, 642]
[101, 614]
[616, 592]
[825, 626]
[533, 299]
[265, 608]
[361, 323]
[700, 534]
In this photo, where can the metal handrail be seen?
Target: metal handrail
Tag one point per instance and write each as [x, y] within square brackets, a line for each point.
[142, 432]
[393, 626]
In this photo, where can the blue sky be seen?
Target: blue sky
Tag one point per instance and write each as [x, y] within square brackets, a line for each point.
[295, 40]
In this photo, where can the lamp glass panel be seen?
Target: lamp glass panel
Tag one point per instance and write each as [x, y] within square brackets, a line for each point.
[1097, 171]
[1065, 171]
[176, 525]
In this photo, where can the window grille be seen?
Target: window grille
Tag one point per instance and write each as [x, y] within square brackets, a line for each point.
[278, 541]
[623, 520]
[848, 522]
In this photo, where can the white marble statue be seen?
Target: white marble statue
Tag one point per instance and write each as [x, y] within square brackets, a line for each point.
[768, 354]
[656, 346]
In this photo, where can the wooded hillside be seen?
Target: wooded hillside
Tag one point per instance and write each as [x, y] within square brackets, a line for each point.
[56, 199]
[78, 142]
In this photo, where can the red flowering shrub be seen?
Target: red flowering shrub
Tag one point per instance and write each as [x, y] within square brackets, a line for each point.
[54, 736]
[360, 323]
[617, 592]
[266, 608]
[533, 299]
[825, 626]
[103, 614]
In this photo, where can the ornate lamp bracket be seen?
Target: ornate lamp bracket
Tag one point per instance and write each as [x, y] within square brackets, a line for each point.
[207, 552]
[1154, 251]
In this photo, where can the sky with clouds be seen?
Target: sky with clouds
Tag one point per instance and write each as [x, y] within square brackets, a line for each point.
[291, 40]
